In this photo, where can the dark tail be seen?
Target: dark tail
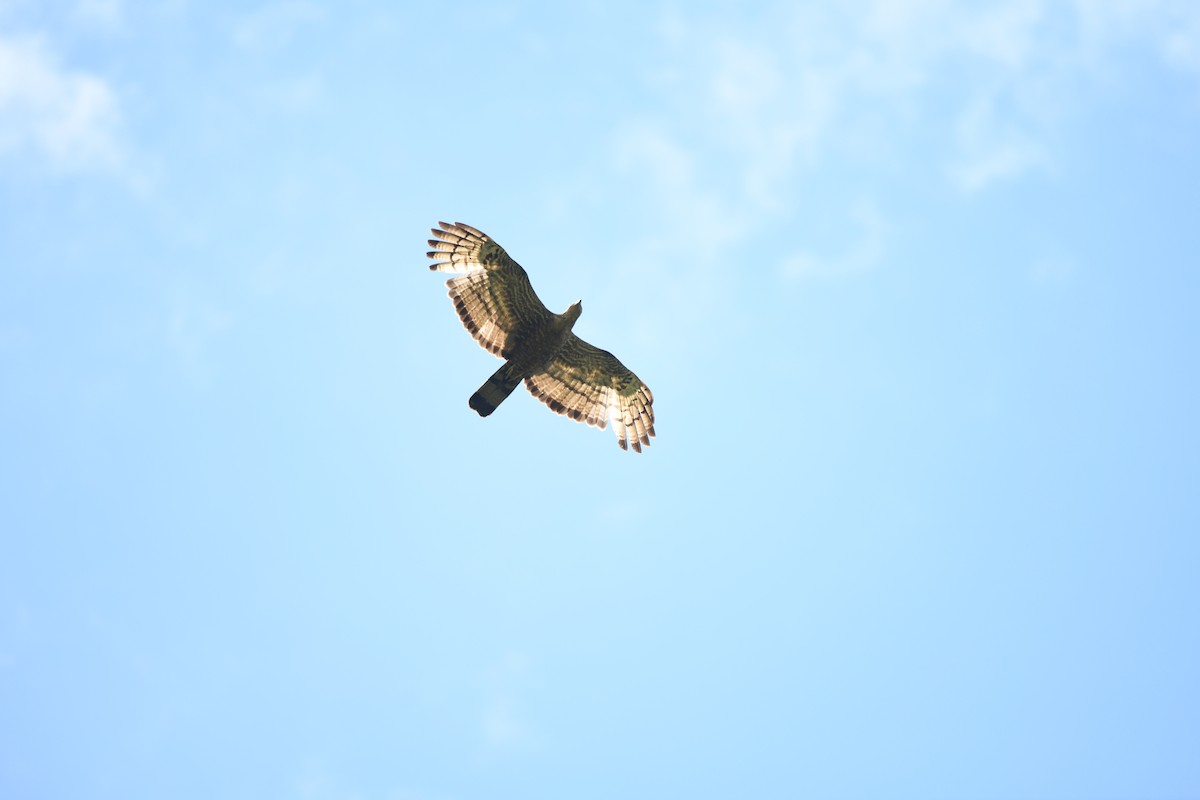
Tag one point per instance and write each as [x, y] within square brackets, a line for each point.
[493, 392]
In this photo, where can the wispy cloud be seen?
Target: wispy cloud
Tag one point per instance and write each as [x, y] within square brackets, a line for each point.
[69, 117]
[864, 253]
[1181, 44]
[764, 114]
[107, 15]
[789, 87]
[670, 170]
[811, 84]
[274, 25]
[991, 147]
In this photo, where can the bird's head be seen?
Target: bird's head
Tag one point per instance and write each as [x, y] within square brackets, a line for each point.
[575, 310]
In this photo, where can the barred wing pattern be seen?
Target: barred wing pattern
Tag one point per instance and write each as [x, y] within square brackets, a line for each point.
[492, 295]
[590, 385]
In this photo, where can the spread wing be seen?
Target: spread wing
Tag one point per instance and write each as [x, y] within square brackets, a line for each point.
[590, 385]
[491, 294]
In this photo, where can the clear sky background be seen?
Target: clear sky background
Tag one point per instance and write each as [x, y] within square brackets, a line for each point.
[915, 285]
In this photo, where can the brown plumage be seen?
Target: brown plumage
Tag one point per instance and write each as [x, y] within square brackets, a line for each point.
[497, 304]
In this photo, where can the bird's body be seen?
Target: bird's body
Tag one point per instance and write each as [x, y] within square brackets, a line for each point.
[497, 304]
[532, 351]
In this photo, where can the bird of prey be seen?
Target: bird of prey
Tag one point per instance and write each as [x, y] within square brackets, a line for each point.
[497, 304]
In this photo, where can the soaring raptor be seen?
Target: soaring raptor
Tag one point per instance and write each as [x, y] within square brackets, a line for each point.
[496, 303]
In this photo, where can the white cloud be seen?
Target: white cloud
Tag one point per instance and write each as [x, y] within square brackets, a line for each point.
[794, 109]
[865, 253]
[770, 115]
[1181, 44]
[1171, 26]
[1002, 160]
[792, 87]
[1007, 34]
[992, 147]
[275, 25]
[70, 117]
[673, 174]
[688, 207]
[105, 15]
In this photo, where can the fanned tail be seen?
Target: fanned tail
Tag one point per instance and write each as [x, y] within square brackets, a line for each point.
[494, 390]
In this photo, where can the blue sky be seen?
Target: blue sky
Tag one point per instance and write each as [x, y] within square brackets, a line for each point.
[914, 284]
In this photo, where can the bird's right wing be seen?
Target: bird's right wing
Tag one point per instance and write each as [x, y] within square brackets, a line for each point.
[492, 293]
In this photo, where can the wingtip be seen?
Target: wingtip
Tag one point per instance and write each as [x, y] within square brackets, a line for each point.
[472, 230]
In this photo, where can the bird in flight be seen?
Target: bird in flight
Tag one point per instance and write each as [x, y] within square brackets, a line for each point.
[497, 304]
